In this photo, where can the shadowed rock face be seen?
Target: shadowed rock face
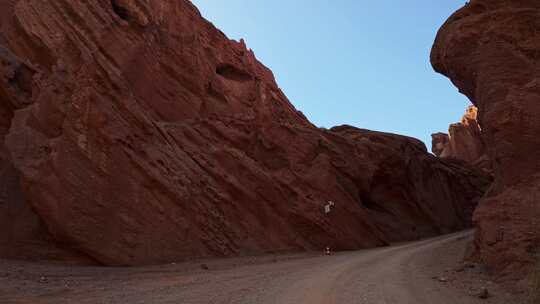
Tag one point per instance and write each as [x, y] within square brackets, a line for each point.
[141, 134]
[464, 141]
[491, 52]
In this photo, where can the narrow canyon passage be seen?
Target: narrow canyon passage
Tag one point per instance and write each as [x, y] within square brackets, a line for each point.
[137, 133]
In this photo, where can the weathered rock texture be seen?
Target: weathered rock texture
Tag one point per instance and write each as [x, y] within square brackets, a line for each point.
[490, 49]
[141, 134]
[464, 141]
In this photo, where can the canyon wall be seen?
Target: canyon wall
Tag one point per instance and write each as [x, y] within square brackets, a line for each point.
[136, 133]
[490, 50]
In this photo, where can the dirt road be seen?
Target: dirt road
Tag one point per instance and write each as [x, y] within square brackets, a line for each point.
[403, 274]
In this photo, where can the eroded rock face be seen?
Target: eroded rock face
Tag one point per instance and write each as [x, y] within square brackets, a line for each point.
[464, 141]
[143, 135]
[23, 235]
[490, 50]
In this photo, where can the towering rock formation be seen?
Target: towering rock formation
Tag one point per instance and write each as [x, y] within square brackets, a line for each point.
[490, 49]
[464, 141]
[141, 134]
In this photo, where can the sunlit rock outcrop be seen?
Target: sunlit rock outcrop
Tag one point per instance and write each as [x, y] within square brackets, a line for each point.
[464, 141]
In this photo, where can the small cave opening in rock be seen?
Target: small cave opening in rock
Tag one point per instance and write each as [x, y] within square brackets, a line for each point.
[22, 79]
[368, 203]
[231, 72]
[119, 10]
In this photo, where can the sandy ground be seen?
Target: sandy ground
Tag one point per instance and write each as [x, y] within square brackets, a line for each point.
[428, 272]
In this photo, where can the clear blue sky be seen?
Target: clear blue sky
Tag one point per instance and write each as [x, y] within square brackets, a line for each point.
[358, 62]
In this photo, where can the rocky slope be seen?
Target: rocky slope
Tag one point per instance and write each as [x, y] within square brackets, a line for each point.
[490, 49]
[464, 141]
[141, 134]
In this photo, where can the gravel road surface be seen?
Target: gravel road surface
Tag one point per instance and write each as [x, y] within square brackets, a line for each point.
[411, 273]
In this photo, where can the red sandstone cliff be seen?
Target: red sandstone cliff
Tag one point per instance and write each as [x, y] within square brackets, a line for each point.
[139, 133]
[490, 49]
[464, 141]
